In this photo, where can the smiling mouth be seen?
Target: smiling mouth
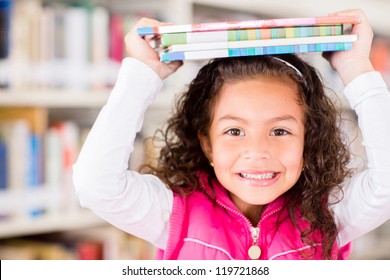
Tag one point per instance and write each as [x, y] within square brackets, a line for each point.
[262, 176]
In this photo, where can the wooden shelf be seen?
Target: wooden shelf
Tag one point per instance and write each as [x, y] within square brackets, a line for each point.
[58, 98]
[83, 219]
[53, 98]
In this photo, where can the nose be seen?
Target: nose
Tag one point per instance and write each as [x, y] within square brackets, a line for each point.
[257, 148]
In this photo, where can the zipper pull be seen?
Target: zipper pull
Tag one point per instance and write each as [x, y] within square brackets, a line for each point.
[254, 251]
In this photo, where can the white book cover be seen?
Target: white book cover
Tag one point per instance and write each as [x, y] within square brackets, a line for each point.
[44, 73]
[17, 138]
[76, 47]
[23, 42]
[57, 64]
[100, 38]
[261, 43]
[53, 158]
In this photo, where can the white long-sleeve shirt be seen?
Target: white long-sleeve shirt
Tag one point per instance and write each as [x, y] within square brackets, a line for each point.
[142, 204]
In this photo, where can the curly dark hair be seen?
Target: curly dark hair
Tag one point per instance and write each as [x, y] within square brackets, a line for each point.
[325, 154]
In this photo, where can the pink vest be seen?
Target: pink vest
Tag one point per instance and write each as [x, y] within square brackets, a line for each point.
[206, 225]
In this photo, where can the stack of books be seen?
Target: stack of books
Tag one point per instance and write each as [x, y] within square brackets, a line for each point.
[253, 37]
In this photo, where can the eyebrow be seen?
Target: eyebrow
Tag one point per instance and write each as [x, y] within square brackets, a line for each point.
[272, 120]
[283, 118]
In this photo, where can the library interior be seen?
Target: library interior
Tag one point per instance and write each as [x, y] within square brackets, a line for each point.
[59, 60]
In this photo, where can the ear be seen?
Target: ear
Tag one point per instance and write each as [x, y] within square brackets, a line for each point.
[205, 144]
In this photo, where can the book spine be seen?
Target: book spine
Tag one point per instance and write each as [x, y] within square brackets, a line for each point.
[76, 35]
[5, 17]
[269, 50]
[250, 34]
[262, 43]
[214, 26]
[3, 166]
[116, 37]
[35, 162]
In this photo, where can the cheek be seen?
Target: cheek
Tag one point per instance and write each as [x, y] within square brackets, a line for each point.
[293, 160]
[223, 154]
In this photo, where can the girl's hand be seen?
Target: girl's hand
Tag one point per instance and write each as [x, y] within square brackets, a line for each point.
[140, 49]
[352, 63]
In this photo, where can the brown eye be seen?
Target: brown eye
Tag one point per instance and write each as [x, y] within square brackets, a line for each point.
[279, 132]
[235, 132]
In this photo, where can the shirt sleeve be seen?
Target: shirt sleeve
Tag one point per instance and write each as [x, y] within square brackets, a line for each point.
[366, 200]
[138, 204]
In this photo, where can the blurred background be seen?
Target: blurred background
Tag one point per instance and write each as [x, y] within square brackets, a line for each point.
[58, 62]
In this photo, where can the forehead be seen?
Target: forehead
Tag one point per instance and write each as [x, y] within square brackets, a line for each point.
[267, 90]
[257, 100]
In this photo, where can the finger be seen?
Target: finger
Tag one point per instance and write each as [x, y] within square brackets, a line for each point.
[174, 65]
[360, 15]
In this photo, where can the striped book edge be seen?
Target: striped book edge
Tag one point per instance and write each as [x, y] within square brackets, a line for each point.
[229, 25]
[261, 43]
[250, 34]
[269, 50]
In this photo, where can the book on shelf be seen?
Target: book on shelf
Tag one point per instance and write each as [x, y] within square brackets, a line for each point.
[35, 116]
[5, 15]
[3, 166]
[247, 38]
[15, 135]
[246, 24]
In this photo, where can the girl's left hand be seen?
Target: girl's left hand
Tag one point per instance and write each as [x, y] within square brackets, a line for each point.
[352, 63]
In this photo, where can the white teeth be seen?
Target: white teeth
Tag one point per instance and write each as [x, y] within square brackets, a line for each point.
[258, 176]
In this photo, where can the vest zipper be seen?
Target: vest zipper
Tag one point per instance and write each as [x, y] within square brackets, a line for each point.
[254, 251]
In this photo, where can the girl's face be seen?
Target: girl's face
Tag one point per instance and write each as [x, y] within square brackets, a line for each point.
[256, 140]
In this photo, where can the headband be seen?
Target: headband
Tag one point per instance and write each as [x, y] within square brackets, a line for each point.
[289, 65]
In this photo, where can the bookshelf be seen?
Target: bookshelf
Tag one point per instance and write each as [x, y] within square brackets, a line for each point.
[32, 80]
[34, 86]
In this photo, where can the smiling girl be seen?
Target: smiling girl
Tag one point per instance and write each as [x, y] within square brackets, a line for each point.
[253, 166]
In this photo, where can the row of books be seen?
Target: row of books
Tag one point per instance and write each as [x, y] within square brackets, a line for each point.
[35, 162]
[36, 159]
[59, 45]
[252, 37]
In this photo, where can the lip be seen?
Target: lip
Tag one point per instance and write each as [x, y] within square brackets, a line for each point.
[258, 182]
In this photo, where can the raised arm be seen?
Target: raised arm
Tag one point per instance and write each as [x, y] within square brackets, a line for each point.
[138, 204]
[366, 202]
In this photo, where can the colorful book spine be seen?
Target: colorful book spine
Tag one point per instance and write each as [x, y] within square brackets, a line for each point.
[5, 15]
[262, 43]
[229, 25]
[250, 34]
[269, 50]
[3, 166]
[5, 18]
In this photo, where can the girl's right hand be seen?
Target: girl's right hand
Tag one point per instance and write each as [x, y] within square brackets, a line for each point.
[139, 48]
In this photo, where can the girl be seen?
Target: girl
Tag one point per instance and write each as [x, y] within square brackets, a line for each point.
[253, 167]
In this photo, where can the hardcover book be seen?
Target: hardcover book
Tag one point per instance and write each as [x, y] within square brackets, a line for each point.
[209, 54]
[230, 25]
[249, 34]
[261, 43]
